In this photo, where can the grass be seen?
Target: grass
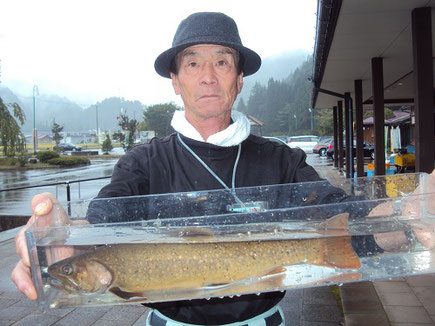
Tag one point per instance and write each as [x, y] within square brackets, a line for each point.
[9, 163]
[85, 146]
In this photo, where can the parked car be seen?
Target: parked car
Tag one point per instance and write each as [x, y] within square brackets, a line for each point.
[306, 143]
[322, 146]
[69, 147]
[277, 139]
[369, 149]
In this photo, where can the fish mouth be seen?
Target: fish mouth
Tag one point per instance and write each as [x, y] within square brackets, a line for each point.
[64, 284]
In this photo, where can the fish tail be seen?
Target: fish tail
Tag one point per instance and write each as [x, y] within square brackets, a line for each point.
[338, 252]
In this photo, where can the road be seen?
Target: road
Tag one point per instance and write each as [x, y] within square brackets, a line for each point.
[17, 202]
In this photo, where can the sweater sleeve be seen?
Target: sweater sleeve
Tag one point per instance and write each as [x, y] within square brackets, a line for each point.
[129, 178]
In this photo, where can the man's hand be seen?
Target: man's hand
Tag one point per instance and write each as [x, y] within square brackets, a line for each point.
[422, 197]
[44, 215]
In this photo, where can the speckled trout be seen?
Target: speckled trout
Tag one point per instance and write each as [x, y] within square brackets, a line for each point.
[138, 270]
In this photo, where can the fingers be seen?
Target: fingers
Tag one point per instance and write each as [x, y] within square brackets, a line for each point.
[426, 238]
[390, 241]
[22, 278]
[42, 204]
[21, 245]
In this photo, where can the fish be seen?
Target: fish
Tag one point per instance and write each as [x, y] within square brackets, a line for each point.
[139, 271]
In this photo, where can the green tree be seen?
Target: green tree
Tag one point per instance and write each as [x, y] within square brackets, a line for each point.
[127, 135]
[241, 107]
[12, 139]
[158, 118]
[56, 130]
[107, 144]
[277, 103]
[324, 121]
[388, 113]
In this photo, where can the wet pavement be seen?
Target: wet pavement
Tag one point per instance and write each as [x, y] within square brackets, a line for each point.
[16, 202]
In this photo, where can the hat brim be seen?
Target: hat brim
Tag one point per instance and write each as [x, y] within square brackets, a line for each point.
[250, 60]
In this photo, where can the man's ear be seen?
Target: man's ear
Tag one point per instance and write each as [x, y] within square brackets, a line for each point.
[175, 83]
[239, 82]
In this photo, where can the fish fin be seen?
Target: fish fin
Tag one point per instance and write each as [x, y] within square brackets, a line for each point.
[335, 225]
[347, 277]
[195, 234]
[215, 286]
[276, 270]
[338, 252]
[275, 276]
[128, 296]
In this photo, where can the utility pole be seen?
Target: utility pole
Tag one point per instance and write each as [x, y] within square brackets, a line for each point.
[35, 133]
[311, 114]
[96, 111]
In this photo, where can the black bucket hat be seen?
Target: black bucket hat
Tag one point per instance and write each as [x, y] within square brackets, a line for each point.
[208, 28]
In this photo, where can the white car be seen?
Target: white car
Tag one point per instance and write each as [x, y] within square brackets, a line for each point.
[306, 143]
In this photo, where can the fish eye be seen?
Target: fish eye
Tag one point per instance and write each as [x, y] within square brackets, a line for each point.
[67, 269]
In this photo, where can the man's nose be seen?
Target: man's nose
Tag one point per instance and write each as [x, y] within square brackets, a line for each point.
[208, 74]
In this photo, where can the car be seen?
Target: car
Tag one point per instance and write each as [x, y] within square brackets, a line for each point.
[306, 143]
[277, 139]
[322, 146]
[369, 149]
[69, 147]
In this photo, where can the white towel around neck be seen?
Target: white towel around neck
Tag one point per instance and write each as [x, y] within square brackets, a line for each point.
[233, 135]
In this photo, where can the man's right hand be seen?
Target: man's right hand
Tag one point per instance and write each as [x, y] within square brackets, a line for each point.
[42, 206]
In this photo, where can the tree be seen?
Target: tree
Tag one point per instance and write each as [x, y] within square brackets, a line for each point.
[12, 139]
[158, 118]
[56, 130]
[388, 113]
[107, 144]
[129, 127]
[325, 123]
[241, 107]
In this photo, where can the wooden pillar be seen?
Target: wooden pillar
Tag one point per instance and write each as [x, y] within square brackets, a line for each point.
[340, 135]
[349, 134]
[359, 128]
[423, 89]
[335, 123]
[378, 113]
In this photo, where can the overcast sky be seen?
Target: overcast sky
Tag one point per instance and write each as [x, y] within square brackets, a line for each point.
[88, 50]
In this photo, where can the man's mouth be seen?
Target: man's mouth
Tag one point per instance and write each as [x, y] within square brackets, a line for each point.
[208, 96]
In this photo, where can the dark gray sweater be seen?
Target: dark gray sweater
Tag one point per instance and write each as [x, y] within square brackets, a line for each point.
[165, 166]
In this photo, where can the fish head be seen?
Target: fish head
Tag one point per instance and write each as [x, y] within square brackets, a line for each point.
[80, 274]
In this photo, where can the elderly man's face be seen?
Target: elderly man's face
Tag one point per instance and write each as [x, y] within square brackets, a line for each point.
[207, 80]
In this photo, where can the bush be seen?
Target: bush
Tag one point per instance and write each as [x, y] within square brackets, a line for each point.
[45, 156]
[22, 159]
[69, 161]
[8, 161]
[107, 145]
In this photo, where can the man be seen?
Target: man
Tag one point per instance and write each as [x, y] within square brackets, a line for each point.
[211, 149]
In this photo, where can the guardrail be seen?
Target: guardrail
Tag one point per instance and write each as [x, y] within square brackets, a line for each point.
[67, 183]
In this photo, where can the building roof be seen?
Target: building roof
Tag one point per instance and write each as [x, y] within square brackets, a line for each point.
[399, 118]
[350, 33]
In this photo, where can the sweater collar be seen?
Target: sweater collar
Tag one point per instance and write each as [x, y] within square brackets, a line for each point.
[233, 135]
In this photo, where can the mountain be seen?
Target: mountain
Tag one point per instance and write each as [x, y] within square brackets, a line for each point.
[111, 108]
[277, 67]
[66, 113]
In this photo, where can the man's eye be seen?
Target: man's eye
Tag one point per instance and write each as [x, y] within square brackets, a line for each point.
[222, 63]
[192, 64]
